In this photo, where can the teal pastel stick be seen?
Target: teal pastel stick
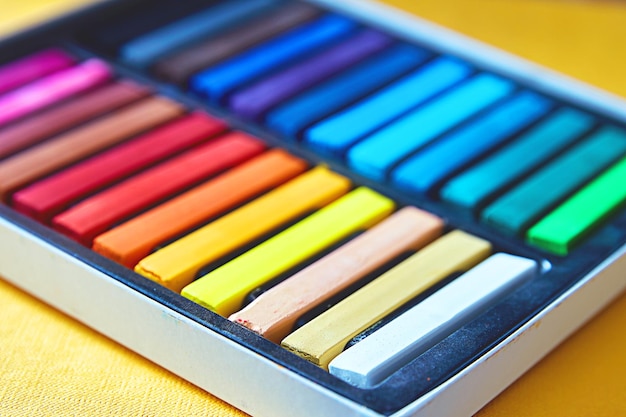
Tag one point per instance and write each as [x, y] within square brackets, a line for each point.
[337, 133]
[440, 159]
[146, 49]
[294, 115]
[376, 154]
[521, 207]
[217, 81]
[475, 186]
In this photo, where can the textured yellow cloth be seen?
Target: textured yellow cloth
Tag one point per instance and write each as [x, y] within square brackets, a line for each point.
[18, 14]
[581, 38]
[51, 365]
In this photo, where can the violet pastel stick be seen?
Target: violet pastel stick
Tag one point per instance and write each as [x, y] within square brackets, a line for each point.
[32, 67]
[53, 88]
[274, 313]
[254, 101]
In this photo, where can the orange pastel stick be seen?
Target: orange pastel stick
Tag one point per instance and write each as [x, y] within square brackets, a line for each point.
[135, 239]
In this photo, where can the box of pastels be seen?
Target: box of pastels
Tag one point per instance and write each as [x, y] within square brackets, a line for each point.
[308, 208]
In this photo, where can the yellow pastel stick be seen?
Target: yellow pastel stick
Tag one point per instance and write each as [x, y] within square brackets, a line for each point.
[325, 337]
[224, 289]
[177, 264]
[274, 313]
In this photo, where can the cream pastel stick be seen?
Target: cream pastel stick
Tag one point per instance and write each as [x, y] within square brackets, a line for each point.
[274, 313]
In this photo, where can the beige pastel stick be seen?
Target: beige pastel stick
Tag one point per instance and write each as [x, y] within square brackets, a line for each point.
[323, 338]
[274, 313]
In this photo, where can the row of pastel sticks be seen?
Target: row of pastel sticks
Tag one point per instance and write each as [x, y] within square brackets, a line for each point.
[429, 125]
[246, 231]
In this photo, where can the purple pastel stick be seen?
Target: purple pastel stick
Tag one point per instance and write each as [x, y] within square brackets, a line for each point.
[33, 67]
[53, 88]
[257, 99]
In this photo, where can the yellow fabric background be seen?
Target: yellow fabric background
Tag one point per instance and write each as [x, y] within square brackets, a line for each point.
[18, 14]
[53, 365]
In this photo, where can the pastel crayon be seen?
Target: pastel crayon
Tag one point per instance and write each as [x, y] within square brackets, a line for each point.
[180, 66]
[224, 289]
[523, 205]
[275, 312]
[64, 116]
[477, 184]
[564, 227]
[48, 197]
[257, 99]
[376, 357]
[92, 216]
[51, 89]
[147, 48]
[423, 171]
[313, 105]
[32, 67]
[323, 338]
[219, 80]
[138, 19]
[340, 131]
[376, 155]
[83, 141]
[133, 240]
[177, 264]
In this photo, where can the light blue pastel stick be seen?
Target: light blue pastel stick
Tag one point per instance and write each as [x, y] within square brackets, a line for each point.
[424, 170]
[337, 133]
[474, 186]
[375, 155]
[215, 82]
[294, 115]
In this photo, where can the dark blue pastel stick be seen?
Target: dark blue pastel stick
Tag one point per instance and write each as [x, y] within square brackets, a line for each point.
[479, 183]
[146, 49]
[138, 19]
[423, 171]
[217, 81]
[376, 155]
[294, 115]
[337, 133]
[256, 100]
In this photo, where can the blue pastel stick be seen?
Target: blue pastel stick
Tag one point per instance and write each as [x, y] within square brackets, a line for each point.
[376, 155]
[337, 133]
[423, 171]
[146, 49]
[217, 81]
[477, 184]
[294, 115]
[256, 100]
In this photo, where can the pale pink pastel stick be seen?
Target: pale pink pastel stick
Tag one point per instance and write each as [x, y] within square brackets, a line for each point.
[33, 67]
[51, 89]
[275, 312]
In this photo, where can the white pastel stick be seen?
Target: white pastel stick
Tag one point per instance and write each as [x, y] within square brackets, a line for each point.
[377, 356]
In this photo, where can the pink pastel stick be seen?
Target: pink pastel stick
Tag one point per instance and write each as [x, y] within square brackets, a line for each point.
[51, 89]
[33, 67]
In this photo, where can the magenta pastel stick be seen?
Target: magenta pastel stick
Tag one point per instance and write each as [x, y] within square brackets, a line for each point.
[53, 88]
[33, 67]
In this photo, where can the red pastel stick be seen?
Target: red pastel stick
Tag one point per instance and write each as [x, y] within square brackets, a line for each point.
[50, 196]
[102, 211]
